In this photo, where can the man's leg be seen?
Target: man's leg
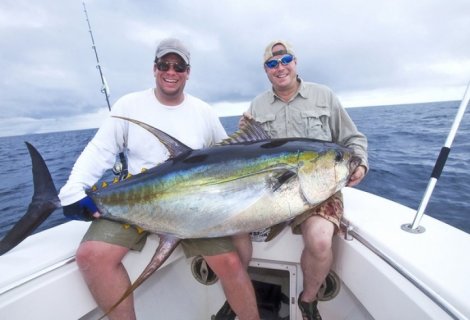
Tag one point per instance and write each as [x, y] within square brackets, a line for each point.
[244, 248]
[317, 256]
[236, 283]
[101, 266]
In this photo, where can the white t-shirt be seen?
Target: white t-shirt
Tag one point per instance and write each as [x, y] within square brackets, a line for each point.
[193, 123]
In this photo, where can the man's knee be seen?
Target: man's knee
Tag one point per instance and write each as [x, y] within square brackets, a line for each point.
[95, 253]
[319, 245]
[226, 264]
[84, 255]
[318, 235]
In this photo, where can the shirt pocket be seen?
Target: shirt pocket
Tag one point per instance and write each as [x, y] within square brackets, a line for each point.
[316, 123]
[268, 123]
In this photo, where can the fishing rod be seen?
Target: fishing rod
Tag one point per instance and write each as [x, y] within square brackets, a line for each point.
[38, 213]
[120, 167]
[439, 166]
[105, 88]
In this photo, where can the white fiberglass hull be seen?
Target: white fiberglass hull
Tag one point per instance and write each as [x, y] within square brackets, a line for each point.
[423, 276]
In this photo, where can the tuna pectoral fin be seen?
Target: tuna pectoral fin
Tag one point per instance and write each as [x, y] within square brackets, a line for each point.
[165, 248]
[43, 203]
[280, 178]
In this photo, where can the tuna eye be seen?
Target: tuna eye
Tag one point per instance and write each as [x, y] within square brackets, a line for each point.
[338, 156]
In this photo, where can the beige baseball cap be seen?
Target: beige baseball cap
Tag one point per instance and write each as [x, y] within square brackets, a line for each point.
[268, 52]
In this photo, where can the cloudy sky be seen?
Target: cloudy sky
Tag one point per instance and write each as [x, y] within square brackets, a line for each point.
[369, 52]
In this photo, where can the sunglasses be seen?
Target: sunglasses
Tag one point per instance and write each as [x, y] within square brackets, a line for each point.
[165, 66]
[285, 60]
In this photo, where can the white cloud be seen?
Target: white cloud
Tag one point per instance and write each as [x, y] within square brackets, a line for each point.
[226, 109]
[26, 125]
[369, 53]
[22, 14]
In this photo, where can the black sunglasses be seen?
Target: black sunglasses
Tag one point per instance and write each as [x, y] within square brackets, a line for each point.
[165, 66]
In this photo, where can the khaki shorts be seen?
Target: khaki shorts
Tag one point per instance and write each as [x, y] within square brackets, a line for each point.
[331, 209]
[129, 237]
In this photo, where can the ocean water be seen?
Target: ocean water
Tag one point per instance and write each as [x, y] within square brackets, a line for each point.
[404, 142]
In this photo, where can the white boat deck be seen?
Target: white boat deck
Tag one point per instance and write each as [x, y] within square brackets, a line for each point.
[40, 272]
[436, 258]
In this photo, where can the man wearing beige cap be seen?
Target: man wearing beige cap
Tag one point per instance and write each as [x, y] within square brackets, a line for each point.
[186, 118]
[295, 108]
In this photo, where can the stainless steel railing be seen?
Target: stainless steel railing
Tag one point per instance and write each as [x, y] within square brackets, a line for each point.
[351, 233]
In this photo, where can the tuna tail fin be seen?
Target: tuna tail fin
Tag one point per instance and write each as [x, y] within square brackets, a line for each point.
[43, 203]
[165, 247]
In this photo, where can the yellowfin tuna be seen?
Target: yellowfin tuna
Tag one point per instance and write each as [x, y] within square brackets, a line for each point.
[248, 182]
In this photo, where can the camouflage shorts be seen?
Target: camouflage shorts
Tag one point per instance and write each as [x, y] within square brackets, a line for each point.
[134, 239]
[331, 209]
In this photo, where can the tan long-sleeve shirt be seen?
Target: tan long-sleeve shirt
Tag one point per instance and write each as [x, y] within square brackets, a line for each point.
[313, 112]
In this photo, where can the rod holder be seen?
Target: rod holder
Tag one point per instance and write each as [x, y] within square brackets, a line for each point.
[408, 227]
[439, 166]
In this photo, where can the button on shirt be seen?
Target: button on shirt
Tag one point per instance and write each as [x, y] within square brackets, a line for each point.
[313, 112]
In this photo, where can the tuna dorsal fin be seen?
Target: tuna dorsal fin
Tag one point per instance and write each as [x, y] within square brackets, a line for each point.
[174, 146]
[250, 131]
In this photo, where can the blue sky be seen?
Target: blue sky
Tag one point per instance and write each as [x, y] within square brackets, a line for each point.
[369, 52]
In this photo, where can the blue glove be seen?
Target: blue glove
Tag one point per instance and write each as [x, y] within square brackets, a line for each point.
[81, 210]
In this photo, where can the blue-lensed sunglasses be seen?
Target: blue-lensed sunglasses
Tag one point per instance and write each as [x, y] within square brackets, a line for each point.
[285, 60]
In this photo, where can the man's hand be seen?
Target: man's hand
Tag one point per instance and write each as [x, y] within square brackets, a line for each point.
[357, 176]
[242, 121]
[84, 210]
[90, 207]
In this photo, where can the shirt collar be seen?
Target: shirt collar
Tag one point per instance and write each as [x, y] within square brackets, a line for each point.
[301, 91]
